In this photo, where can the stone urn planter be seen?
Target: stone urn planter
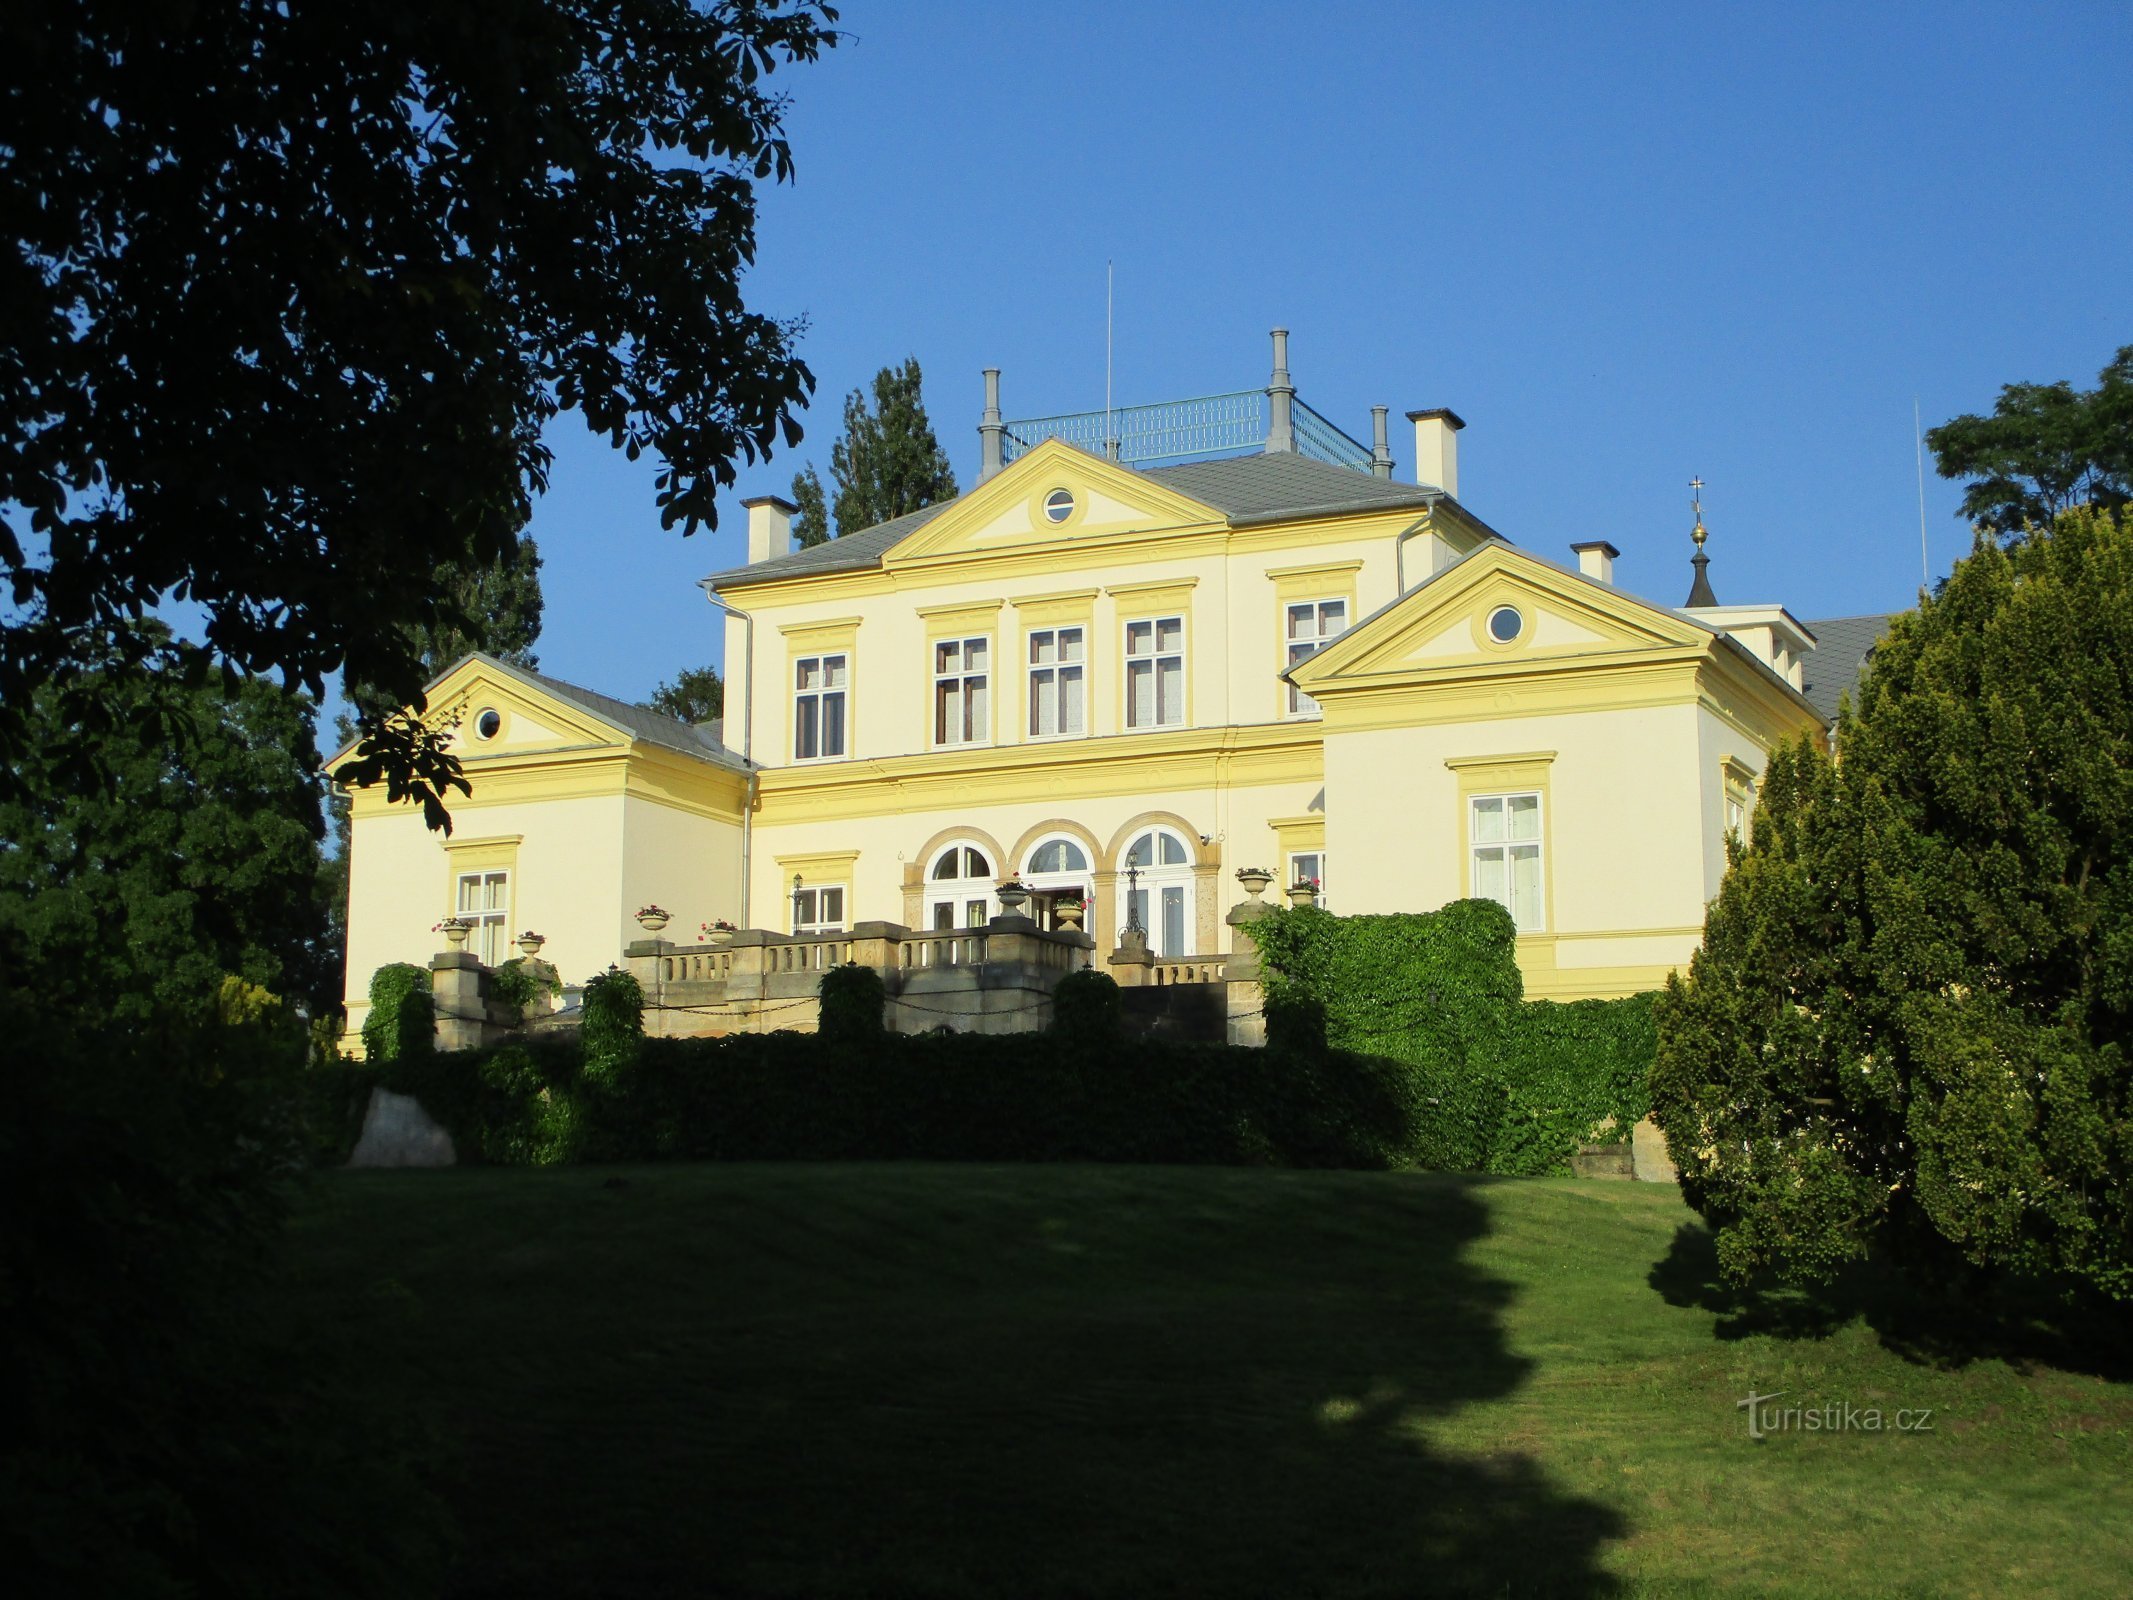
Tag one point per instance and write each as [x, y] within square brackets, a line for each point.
[455, 933]
[1067, 913]
[529, 944]
[1013, 896]
[1303, 894]
[652, 919]
[722, 936]
[1255, 880]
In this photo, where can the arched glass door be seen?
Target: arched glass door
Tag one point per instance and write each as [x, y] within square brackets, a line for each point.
[1161, 890]
[959, 888]
[1055, 869]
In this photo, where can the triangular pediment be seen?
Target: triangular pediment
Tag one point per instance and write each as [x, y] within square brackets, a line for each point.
[529, 720]
[1055, 496]
[1443, 628]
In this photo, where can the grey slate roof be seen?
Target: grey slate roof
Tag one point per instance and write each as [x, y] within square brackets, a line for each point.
[1833, 668]
[669, 733]
[1247, 489]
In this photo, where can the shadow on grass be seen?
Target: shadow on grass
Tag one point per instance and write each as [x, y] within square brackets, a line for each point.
[1051, 1382]
[2012, 1322]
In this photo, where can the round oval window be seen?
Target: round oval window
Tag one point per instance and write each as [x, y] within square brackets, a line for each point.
[1059, 504]
[1505, 624]
[488, 725]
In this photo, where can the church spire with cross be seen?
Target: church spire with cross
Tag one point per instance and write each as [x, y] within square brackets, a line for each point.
[1700, 591]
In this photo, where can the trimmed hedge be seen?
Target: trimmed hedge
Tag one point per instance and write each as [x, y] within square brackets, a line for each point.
[1505, 1085]
[940, 1097]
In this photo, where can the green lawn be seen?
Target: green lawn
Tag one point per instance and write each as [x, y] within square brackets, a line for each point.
[1146, 1381]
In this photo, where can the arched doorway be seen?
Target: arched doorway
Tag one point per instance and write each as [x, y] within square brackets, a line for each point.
[1056, 869]
[959, 888]
[1160, 891]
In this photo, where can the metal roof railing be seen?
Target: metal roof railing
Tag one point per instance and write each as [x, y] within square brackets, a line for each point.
[1182, 430]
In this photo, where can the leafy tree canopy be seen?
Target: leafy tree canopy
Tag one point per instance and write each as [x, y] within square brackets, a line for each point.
[201, 861]
[2046, 447]
[886, 463]
[295, 288]
[697, 695]
[1908, 1025]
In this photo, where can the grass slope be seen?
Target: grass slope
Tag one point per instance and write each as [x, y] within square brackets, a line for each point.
[1031, 1381]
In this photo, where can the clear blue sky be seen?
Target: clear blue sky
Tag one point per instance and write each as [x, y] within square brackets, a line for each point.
[1625, 244]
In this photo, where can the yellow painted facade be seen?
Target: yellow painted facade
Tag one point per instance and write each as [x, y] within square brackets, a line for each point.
[1631, 727]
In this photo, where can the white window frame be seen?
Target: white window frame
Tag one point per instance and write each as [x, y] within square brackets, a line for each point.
[1150, 662]
[1054, 675]
[1309, 864]
[967, 896]
[962, 698]
[1298, 648]
[819, 908]
[488, 909]
[1156, 881]
[820, 698]
[1506, 849]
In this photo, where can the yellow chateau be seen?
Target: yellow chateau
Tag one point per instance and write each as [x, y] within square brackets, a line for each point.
[1118, 681]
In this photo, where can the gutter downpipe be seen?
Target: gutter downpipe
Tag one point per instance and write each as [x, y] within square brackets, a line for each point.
[747, 743]
[1399, 550]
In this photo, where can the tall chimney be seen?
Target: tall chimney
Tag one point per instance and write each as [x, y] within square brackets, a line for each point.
[769, 527]
[1437, 449]
[1596, 559]
[992, 432]
[1380, 445]
[1281, 395]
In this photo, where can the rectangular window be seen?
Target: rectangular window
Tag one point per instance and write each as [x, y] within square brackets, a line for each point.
[1504, 834]
[960, 712]
[1311, 625]
[818, 910]
[1155, 673]
[818, 707]
[1740, 806]
[485, 901]
[1309, 866]
[1161, 913]
[1057, 683]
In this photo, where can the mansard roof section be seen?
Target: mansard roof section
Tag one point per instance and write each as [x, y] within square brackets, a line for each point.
[1241, 491]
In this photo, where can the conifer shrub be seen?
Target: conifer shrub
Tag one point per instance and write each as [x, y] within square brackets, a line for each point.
[1086, 1008]
[402, 1021]
[853, 1006]
[1907, 1031]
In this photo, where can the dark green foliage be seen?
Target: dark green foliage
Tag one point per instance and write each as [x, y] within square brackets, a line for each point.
[294, 291]
[1501, 1084]
[886, 463]
[401, 1024]
[2046, 448]
[1907, 1030]
[948, 1097]
[853, 1004]
[167, 1433]
[811, 525]
[1086, 1007]
[613, 1029]
[519, 982]
[203, 862]
[695, 696]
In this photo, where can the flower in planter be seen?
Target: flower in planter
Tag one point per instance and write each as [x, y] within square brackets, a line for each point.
[449, 923]
[646, 913]
[530, 934]
[716, 925]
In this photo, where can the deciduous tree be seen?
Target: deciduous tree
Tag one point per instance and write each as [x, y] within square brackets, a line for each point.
[696, 695]
[2046, 448]
[295, 289]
